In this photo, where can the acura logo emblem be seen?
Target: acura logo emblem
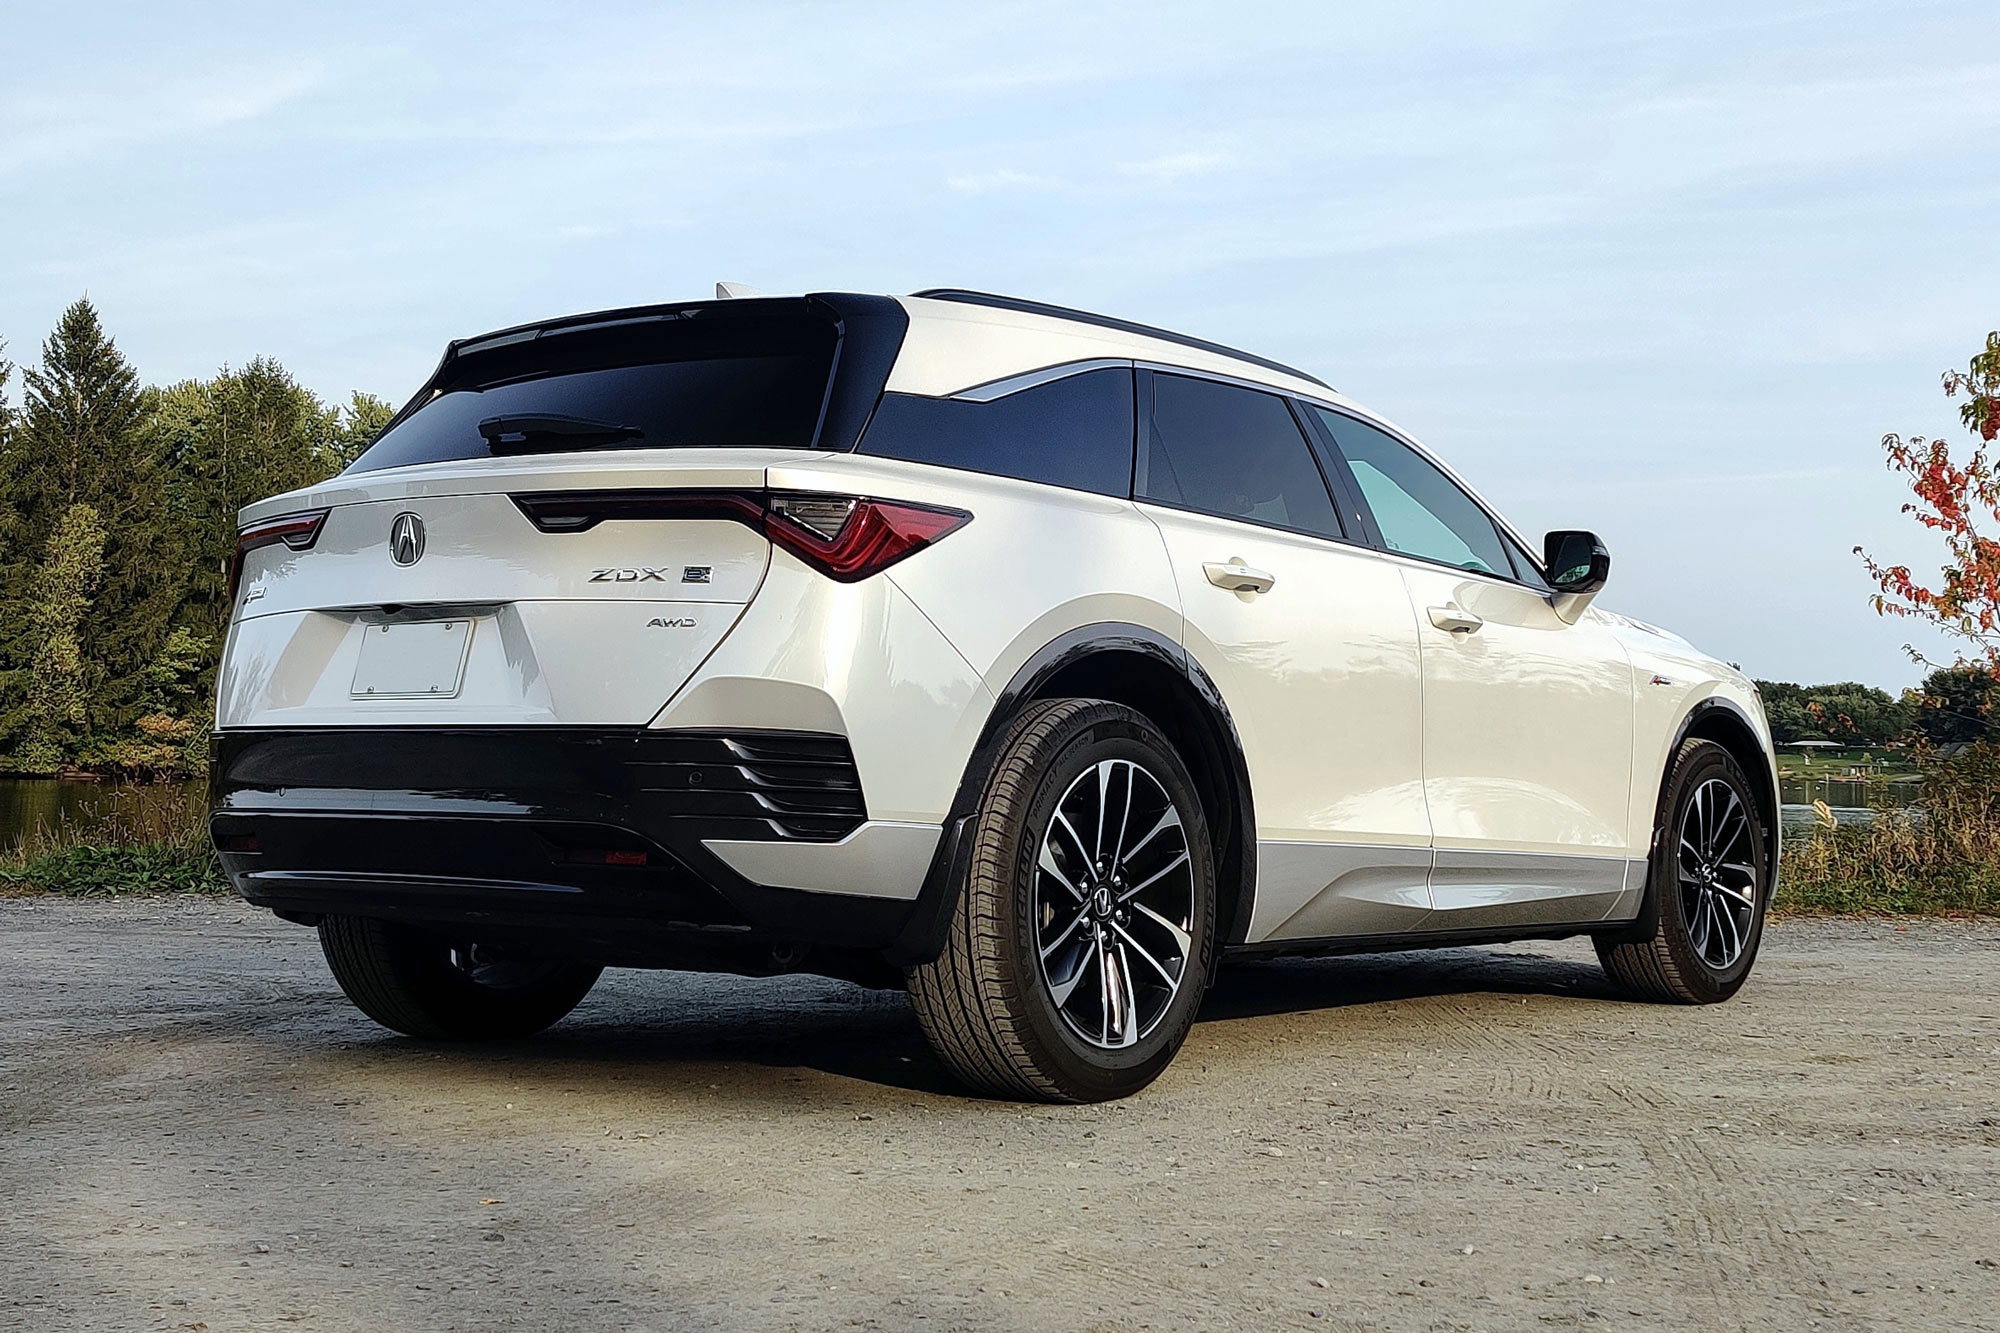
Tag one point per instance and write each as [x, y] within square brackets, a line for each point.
[406, 539]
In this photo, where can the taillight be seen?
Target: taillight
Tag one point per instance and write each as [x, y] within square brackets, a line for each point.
[845, 537]
[298, 531]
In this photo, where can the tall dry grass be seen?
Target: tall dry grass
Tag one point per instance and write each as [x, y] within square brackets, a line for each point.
[1942, 857]
[146, 840]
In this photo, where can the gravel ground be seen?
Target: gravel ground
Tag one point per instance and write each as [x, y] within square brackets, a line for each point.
[196, 1132]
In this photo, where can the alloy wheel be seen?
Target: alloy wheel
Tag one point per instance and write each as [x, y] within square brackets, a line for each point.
[1114, 904]
[1717, 867]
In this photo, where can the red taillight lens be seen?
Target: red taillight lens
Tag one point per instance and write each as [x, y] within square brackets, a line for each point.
[298, 531]
[874, 535]
[842, 536]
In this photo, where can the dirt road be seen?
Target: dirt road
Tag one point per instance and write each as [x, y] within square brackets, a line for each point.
[196, 1131]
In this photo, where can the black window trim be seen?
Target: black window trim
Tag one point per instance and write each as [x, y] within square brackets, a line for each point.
[1142, 381]
[1505, 531]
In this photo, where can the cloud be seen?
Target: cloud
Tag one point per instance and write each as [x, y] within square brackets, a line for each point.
[64, 127]
[1003, 178]
[1170, 167]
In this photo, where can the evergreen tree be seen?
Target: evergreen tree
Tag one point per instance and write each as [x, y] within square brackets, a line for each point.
[242, 436]
[239, 437]
[361, 421]
[81, 439]
[58, 703]
[117, 519]
[6, 410]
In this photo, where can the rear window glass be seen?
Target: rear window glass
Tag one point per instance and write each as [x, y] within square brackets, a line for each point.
[659, 384]
[1074, 432]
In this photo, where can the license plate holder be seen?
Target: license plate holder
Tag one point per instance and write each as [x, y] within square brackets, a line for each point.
[421, 659]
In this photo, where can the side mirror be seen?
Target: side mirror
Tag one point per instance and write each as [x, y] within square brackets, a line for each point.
[1578, 567]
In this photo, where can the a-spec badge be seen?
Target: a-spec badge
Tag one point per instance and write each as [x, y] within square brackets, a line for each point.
[406, 539]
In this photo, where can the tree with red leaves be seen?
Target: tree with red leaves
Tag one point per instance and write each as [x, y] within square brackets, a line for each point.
[1961, 503]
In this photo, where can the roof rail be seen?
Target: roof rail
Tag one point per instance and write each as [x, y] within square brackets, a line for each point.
[966, 297]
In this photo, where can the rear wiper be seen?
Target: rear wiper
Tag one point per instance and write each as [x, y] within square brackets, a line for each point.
[507, 434]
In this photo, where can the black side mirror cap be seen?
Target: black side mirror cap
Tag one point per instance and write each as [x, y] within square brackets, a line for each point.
[1576, 561]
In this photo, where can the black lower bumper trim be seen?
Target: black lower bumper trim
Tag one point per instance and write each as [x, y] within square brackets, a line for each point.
[536, 837]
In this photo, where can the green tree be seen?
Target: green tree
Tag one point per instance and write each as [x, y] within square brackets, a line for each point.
[81, 439]
[128, 681]
[1958, 704]
[239, 437]
[6, 410]
[57, 707]
[1849, 713]
[360, 422]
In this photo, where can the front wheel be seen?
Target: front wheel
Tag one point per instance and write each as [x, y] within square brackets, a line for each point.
[1708, 882]
[1082, 939]
[426, 985]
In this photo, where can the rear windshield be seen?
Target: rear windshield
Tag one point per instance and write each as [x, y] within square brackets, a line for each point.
[669, 383]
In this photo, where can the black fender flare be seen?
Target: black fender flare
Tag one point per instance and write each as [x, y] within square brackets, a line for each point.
[1647, 921]
[922, 936]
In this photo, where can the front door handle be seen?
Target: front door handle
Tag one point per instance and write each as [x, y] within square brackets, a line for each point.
[1235, 576]
[1456, 619]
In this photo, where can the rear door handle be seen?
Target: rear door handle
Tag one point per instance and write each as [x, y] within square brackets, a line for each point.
[1456, 619]
[1235, 576]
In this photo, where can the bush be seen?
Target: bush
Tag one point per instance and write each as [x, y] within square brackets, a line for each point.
[110, 871]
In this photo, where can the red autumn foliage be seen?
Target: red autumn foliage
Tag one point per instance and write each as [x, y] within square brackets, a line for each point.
[1961, 503]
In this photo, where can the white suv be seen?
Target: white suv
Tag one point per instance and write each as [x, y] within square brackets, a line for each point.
[1034, 660]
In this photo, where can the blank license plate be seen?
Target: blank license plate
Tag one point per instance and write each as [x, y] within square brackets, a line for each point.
[421, 660]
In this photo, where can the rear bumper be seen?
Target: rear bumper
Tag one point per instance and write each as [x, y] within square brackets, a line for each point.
[593, 843]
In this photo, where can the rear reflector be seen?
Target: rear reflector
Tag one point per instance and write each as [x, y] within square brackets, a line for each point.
[847, 538]
[298, 531]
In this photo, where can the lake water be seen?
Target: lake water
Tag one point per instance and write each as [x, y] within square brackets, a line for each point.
[27, 804]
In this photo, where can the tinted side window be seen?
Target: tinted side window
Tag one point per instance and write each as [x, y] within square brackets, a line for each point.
[1074, 432]
[1421, 511]
[1235, 452]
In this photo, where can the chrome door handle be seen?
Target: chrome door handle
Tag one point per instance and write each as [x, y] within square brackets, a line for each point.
[1454, 618]
[1238, 577]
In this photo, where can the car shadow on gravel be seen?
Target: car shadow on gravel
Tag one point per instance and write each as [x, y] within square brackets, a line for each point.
[1264, 987]
[683, 1032]
[692, 1032]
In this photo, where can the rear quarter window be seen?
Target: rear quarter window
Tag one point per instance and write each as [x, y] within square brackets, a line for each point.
[1074, 432]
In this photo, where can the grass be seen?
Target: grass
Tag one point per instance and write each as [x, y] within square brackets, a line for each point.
[137, 846]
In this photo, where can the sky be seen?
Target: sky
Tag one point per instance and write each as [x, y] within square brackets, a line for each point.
[1665, 271]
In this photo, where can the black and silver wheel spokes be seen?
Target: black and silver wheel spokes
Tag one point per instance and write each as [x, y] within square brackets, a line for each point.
[1114, 903]
[1717, 864]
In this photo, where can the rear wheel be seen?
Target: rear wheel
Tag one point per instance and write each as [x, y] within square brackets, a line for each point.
[1708, 881]
[1081, 943]
[426, 985]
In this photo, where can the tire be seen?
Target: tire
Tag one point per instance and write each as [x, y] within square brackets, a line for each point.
[1016, 1003]
[1706, 893]
[424, 985]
